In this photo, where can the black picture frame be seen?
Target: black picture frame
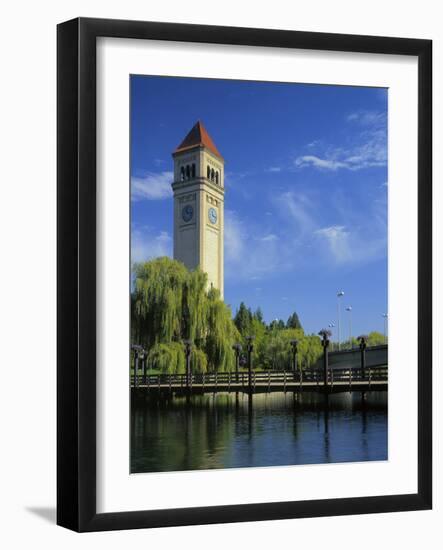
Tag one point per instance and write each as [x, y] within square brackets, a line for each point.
[76, 281]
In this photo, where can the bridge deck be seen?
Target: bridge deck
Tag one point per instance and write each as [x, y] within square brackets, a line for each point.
[338, 380]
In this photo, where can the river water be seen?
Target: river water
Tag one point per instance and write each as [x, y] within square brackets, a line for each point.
[227, 431]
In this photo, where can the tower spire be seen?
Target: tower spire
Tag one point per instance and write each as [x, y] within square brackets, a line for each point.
[198, 137]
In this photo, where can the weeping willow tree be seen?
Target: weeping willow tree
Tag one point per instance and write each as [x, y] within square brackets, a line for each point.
[168, 358]
[170, 304]
[221, 334]
[158, 301]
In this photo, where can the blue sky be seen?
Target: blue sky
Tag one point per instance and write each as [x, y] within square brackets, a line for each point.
[306, 190]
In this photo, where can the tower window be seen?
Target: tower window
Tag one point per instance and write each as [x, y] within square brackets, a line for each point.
[212, 174]
[216, 178]
[209, 172]
[188, 172]
[193, 170]
[182, 173]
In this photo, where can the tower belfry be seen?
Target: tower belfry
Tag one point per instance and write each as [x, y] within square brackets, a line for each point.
[198, 205]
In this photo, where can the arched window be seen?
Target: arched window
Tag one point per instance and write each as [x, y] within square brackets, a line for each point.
[193, 170]
[212, 174]
[209, 172]
[216, 178]
[188, 172]
[182, 173]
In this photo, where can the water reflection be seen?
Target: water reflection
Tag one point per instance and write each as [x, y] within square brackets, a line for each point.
[230, 431]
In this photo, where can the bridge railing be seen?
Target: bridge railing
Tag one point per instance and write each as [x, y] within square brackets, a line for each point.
[275, 378]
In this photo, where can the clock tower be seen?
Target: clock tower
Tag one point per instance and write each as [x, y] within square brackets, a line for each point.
[198, 205]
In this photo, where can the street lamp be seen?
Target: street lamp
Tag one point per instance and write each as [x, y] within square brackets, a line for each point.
[363, 342]
[138, 351]
[349, 309]
[237, 348]
[188, 349]
[340, 294]
[331, 326]
[325, 334]
[250, 348]
[385, 318]
[294, 344]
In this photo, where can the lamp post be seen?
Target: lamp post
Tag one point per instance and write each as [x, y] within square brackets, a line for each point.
[331, 326]
[363, 342]
[294, 344]
[349, 310]
[325, 334]
[188, 349]
[143, 358]
[340, 294]
[237, 349]
[385, 324]
[137, 349]
[250, 349]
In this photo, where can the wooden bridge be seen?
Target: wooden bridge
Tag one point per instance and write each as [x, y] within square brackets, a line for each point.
[373, 378]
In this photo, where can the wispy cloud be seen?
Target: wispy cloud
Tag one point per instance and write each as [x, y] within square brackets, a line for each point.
[300, 209]
[146, 245]
[274, 169]
[336, 238]
[369, 148]
[350, 240]
[317, 162]
[269, 238]
[153, 186]
[247, 254]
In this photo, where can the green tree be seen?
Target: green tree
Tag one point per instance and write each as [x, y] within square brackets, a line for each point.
[170, 304]
[375, 338]
[168, 358]
[276, 324]
[243, 320]
[221, 334]
[258, 315]
[158, 301]
[293, 321]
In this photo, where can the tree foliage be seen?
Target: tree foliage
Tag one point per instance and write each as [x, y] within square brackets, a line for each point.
[275, 353]
[375, 338]
[171, 304]
[168, 358]
[293, 321]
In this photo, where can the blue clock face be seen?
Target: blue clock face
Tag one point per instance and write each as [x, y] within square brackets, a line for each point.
[212, 215]
[187, 213]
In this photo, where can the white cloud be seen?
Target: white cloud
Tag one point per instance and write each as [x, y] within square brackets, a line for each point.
[317, 162]
[145, 245]
[152, 186]
[368, 118]
[337, 240]
[273, 169]
[247, 256]
[369, 147]
[268, 238]
[309, 241]
[299, 209]
[235, 237]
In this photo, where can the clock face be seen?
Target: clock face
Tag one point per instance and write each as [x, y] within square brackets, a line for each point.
[212, 215]
[187, 213]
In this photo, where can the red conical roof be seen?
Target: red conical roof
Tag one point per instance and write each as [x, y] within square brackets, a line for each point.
[198, 136]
